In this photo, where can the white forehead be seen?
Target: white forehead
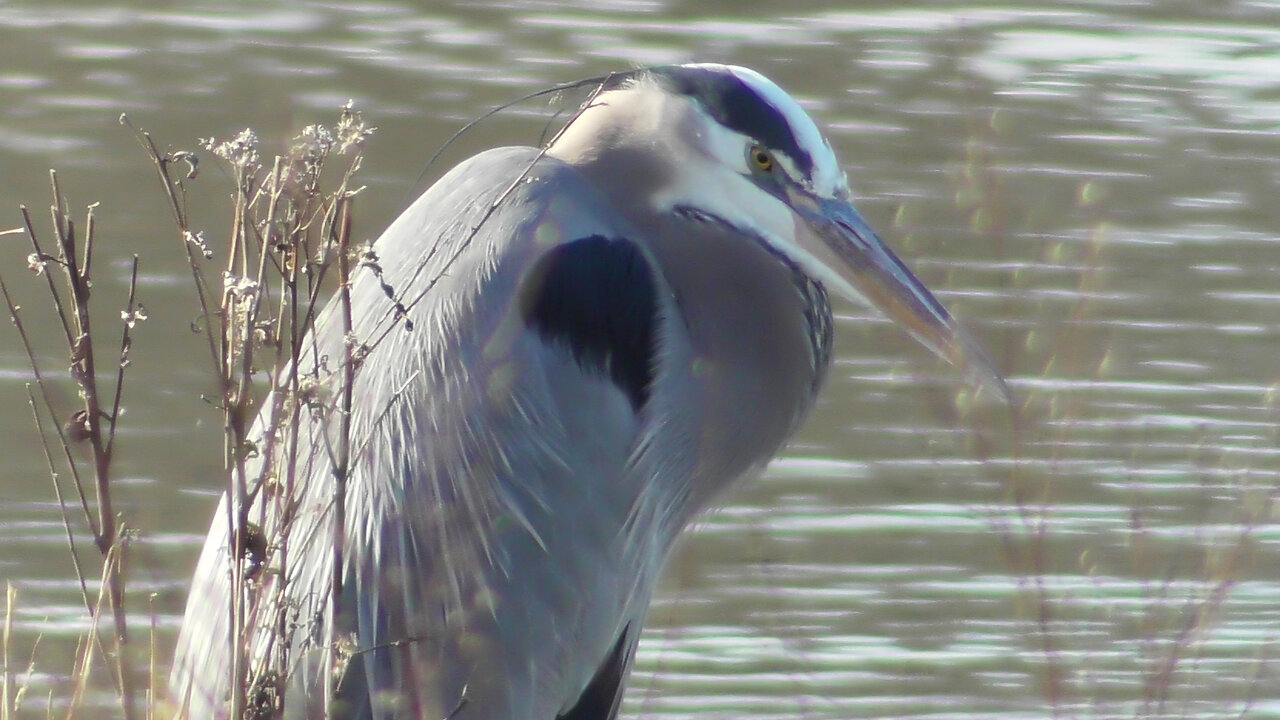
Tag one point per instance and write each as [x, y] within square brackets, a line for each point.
[827, 176]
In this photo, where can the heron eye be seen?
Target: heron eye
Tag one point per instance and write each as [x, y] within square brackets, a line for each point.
[761, 159]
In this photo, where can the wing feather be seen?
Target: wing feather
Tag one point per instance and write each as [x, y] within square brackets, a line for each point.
[479, 440]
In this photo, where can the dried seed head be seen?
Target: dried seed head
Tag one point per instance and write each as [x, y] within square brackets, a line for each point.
[197, 239]
[131, 318]
[352, 132]
[37, 263]
[241, 151]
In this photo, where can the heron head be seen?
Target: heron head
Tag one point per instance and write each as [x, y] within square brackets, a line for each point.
[734, 147]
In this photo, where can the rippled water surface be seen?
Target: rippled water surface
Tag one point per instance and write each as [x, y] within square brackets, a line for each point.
[1090, 186]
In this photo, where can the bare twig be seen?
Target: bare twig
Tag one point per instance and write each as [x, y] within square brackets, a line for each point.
[285, 229]
[71, 303]
[62, 504]
[162, 163]
[341, 467]
[16, 318]
[8, 709]
[129, 316]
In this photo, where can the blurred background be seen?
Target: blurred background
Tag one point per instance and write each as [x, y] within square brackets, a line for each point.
[1090, 186]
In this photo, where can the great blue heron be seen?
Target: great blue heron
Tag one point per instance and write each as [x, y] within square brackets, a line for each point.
[618, 327]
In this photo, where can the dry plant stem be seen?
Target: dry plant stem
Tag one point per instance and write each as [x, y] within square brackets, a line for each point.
[219, 347]
[76, 272]
[161, 163]
[292, 248]
[153, 672]
[126, 342]
[62, 504]
[39, 376]
[276, 215]
[65, 443]
[289, 279]
[237, 346]
[1160, 683]
[1031, 560]
[273, 658]
[53, 288]
[7, 696]
[342, 465]
[1032, 564]
[80, 676]
[236, 374]
[84, 372]
[16, 319]
[13, 702]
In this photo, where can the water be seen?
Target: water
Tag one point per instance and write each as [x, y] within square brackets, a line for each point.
[1090, 186]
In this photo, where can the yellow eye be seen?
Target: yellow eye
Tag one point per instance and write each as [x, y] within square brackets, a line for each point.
[761, 159]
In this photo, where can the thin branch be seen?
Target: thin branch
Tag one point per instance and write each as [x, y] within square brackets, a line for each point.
[126, 342]
[161, 163]
[341, 468]
[16, 319]
[41, 255]
[62, 505]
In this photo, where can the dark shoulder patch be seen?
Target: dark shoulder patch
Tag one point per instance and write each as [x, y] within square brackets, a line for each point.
[602, 697]
[598, 296]
[738, 107]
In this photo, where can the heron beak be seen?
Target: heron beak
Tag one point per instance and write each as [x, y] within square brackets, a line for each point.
[859, 266]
